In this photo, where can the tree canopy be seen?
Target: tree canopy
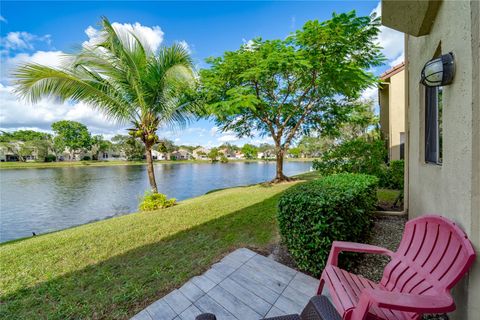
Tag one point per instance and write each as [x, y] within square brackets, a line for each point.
[71, 134]
[282, 88]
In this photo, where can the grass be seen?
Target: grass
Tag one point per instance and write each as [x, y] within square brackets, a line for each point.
[93, 163]
[387, 195]
[114, 268]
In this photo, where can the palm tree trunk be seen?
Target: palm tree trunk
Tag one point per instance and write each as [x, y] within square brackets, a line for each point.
[151, 173]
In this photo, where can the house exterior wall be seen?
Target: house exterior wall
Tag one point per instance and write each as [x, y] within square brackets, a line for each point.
[396, 114]
[450, 189]
[392, 112]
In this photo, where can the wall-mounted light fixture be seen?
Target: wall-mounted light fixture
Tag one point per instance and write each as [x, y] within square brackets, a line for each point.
[439, 72]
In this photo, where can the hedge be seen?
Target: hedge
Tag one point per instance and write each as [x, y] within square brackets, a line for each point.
[314, 214]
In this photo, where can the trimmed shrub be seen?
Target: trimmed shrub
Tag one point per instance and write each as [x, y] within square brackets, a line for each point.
[314, 214]
[154, 201]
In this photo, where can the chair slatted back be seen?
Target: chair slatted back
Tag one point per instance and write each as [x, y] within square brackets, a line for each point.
[433, 255]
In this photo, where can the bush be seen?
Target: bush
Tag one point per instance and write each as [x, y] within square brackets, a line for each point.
[154, 201]
[395, 175]
[50, 158]
[86, 158]
[354, 156]
[223, 159]
[313, 214]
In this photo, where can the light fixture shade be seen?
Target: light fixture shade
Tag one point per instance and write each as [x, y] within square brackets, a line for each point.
[439, 72]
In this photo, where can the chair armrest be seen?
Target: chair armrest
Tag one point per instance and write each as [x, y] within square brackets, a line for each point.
[410, 302]
[339, 246]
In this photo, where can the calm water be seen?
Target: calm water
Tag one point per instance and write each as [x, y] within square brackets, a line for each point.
[43, 200]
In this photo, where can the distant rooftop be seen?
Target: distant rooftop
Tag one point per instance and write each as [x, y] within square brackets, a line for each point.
[390, 72]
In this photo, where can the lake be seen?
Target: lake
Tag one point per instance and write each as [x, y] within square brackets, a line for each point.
[44, 200]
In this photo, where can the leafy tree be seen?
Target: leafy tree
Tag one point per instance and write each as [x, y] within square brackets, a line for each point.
[213, 154]
[229, 147]
[122, 77]
[265, 147]
[250, 151]
[295, 152]
[99, 144]
[164, 145]
[282, 88]
[71, 134]
[314, 146]
[361, 121]
[133, 148]
[361, 155]
[23, 135]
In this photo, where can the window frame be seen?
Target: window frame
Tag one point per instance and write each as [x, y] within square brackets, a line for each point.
[433, 125]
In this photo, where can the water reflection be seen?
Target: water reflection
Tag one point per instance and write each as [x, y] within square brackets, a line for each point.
[43, 200]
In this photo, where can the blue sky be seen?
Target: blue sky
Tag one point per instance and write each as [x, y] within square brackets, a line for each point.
[42, 31]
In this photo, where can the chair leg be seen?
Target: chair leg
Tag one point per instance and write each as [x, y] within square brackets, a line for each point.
[320, 286]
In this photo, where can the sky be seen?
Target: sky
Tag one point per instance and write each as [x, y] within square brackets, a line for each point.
[42, 31]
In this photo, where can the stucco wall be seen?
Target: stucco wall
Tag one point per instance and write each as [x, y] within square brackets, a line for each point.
[392, 112]
[451, 189]
[397, 113]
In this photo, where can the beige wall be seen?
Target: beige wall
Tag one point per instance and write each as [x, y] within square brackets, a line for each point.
[392, 112]
[397, 113]
[451, 189]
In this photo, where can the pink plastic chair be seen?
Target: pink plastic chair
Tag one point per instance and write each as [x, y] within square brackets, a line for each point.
[432, 257]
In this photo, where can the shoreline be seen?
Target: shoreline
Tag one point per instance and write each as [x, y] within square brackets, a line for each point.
[100, 163]
[308, 175]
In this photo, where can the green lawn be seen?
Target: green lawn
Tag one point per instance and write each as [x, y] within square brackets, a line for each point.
[113, 268]
[387, 195]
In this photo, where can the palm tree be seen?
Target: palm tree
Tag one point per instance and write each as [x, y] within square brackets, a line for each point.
[122, 77]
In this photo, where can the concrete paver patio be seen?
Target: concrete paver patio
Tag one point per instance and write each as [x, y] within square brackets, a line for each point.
[242, 286]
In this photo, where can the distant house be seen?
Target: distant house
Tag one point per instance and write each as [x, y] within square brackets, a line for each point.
[239, 155]
[6, 155]
[391, 97]
[230, 154]
[201, 153]
[181, 154]
[267, 154]
[110, 155]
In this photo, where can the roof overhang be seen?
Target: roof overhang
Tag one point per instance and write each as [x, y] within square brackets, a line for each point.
[413, 17]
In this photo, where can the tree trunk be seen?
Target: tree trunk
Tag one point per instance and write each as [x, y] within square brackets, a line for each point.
[280, 177]
[151, 173]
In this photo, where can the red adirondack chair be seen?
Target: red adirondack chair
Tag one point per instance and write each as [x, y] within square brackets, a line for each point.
[432, 257]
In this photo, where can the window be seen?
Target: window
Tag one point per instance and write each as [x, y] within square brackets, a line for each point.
[402, 145]
[433, 125]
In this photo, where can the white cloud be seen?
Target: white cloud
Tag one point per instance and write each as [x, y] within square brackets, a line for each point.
[370, 93]
[16, 113]
[185, 45]
[22, 40]
[213, 131]
[391, 40]
[49, 58]
[151, 36]
[2, 19]
[227, 138]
